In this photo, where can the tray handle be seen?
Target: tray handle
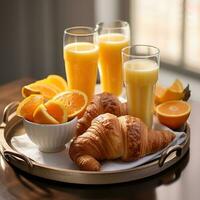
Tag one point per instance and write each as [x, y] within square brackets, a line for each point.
[14, 155]
[170, 150]
[8, 110]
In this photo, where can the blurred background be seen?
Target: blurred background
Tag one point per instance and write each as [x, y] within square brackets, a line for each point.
[31, 34]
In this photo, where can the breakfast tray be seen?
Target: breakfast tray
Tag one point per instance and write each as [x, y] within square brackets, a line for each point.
[12, 126]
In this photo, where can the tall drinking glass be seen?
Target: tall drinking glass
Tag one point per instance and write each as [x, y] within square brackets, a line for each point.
[81, 58]
[113, 37]
[140, 68]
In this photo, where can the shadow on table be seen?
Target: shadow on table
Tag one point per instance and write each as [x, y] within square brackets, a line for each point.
[141, 189]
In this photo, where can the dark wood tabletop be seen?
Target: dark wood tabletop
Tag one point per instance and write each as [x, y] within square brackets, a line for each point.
[180, 182]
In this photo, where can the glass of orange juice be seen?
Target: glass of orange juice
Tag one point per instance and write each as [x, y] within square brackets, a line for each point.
[81, 58]
[113, 37]
[140, 70]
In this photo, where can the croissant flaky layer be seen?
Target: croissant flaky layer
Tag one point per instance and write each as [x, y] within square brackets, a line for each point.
[101, 103]
[110, 137]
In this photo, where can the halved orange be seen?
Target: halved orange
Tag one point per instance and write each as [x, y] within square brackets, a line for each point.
[57, 81]
[40, 87]
[173, 113]
[27, 107]
[57, 110]
[41, 116]
[75, 102]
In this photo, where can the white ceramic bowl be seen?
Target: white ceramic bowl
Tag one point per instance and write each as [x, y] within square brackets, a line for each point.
[48, 137]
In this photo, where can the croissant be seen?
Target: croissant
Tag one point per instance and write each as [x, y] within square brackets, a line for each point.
[110, 137]
[101, 103]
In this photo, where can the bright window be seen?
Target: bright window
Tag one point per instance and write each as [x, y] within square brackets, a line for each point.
[192, 34]
[173, 26]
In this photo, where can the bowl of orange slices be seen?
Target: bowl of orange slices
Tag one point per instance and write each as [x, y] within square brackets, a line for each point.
[50, 112]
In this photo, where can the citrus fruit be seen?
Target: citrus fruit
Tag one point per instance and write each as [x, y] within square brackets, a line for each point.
[159, 92]
[27, 90]
[74, 101]
[177, 86]
[57, 81]
[47, 87]
[28, 106]
[173, 113]
[170, 94]
[41, 116]
[57, 110]
[40, 87]
[174, 92]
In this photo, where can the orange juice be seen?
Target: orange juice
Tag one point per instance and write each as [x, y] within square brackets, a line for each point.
[110, 61]
[81, 61]
[140, 76]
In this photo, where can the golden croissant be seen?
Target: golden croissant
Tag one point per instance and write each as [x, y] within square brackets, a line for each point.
[101, 103]
[110, 137]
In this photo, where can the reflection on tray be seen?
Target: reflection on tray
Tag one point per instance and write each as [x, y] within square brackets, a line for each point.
[130, 190]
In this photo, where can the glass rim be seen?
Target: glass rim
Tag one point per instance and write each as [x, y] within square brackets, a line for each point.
[157, 53]
[91, 29]
[124, 24]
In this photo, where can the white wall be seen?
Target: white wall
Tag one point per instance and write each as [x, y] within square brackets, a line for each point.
[106, 10]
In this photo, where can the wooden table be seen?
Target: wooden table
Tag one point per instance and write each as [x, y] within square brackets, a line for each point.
[181, 181]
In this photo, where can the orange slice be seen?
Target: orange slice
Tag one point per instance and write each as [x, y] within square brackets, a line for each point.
[170, 95]
[47, 87]
[177, 86]
[74, 101]
[40, 87]
[159, 92]
[57, 81]
[28, 106]
[173, 113]
[27, 90]
[52, 85]
[41, 116]
[57, 110]
[174, 92]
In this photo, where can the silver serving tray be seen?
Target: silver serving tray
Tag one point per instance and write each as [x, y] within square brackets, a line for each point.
[12, 126]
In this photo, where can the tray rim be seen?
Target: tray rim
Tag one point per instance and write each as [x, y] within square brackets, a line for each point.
[84, 177]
